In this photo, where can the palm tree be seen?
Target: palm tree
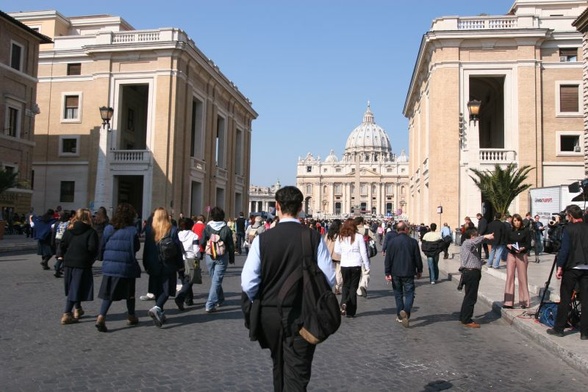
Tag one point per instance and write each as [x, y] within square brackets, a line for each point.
[501, 186]
[7, 180]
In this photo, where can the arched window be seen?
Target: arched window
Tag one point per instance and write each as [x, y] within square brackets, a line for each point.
[309, 189]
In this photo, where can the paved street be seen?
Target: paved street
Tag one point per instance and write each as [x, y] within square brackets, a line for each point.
[211, 352]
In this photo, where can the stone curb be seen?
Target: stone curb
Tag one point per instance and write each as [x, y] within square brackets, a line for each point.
[529, 327]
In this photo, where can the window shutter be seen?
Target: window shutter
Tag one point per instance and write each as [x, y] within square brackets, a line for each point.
[568, 98]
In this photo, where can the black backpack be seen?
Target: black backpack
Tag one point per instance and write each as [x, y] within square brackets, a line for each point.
[170, 253]
[320, 316]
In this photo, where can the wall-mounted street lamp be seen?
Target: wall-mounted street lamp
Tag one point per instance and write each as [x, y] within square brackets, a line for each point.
[106, 115]
[474, 109]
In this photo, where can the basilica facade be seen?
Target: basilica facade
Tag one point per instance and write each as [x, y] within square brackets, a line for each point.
[369, 179]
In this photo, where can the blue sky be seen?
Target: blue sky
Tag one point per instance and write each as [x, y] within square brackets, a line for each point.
[308, 66]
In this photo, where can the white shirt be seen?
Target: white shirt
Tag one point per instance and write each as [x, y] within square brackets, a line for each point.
[352, 254]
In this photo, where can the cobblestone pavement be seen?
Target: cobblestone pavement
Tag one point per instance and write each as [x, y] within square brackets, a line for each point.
[211, 352]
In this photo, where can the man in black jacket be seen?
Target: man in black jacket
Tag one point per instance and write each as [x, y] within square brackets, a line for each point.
[240, 232]
[402, 263]
[572, 268]
[273, 256]
[482, 230]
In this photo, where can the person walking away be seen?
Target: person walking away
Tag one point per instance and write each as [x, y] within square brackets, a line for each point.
[352, 248]
[240, 232]
[101, 220]
[447, 239]
[218, 266]
[572, 269]
[191, 255]
[389, 237]
[364, 280]
[77, 249]
[332, 236]
[120, 268]
[432, 245]
[253, 231]
[162, 275]
[273, 256]
[498, 244]
[471, 273]
[518, 245]
[402, 263]
[59, 229]
[42, 229]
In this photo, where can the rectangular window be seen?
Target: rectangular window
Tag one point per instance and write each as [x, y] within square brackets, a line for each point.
[67, 189]
[239, 148]
[220, 142]
[568, 98]
[69, 145]
[308, 169]
[74, 69]
[71, 107]
[568, 55]
[568, 143]
[16, 56]
[12, 122]
[9, 169]
[196, 150]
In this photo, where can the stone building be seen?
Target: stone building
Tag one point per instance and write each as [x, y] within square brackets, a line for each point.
[581, 25]
[369, 179]
[179, 135]
[521, 72]
[19, 56]
[263, 198]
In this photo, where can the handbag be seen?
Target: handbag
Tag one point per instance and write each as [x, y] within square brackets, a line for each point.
[195, 272]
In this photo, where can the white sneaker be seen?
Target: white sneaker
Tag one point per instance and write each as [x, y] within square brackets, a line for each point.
[433, 282]
[157, 315]
[398, 319]
[147, 297]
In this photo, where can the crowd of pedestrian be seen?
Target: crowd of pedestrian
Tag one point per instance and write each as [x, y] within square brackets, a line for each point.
[78, 239]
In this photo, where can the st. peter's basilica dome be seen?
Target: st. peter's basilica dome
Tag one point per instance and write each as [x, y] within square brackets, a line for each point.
[369, 138]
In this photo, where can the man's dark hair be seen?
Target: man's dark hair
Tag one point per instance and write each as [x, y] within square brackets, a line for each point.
[497, 215]
[359, 220]
[217, 214]
[290, 199]
[185, 224]
[433, 226]
[469, 233]
[574, 211]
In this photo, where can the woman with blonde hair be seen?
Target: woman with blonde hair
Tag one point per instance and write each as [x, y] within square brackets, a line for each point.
[518, 245]
[78, 249]
[162, 275]
[351, 246]
[119, 265]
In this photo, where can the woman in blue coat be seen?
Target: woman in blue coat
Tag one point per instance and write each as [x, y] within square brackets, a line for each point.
[119, 265]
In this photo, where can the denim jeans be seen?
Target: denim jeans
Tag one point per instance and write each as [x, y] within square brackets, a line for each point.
[216, 270]
[433, 267]
[495, 256]
[403, 293]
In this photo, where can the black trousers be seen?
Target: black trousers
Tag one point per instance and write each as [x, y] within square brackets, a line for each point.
[291, 355]
[471, 282]
[351, 277]
[568, 283]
